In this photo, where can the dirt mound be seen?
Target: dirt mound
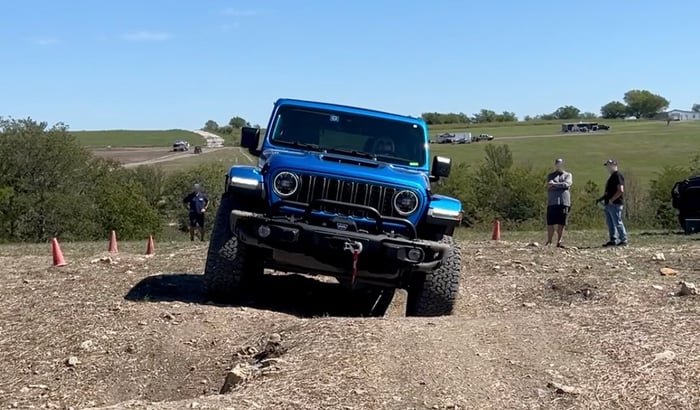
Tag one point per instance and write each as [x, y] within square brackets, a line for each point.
[535, 328]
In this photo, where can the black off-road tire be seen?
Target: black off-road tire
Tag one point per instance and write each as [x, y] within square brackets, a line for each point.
[231, 267]
[435, 293]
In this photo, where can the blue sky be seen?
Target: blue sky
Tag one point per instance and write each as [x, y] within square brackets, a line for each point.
[159, 64]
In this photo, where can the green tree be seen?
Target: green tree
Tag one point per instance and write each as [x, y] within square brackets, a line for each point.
[238, 123]
[613, 110]
[696, 108]
[211, 126]
[506, 116]
[484, 116]
[567, 112]
[55, 187]
[432, 118]
[644, 103]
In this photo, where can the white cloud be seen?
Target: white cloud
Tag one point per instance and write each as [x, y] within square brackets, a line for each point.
[239, 12]
[228, 27]
[45, 41]
[147, 36]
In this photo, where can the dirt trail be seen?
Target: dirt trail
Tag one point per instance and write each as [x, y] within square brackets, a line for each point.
[139, 333]
[213, 140]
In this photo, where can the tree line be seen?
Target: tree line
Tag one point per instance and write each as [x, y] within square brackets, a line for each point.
[635, 103]
[234, 124]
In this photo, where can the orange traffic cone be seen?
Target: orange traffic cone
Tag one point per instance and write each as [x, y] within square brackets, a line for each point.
[58, 259]
[113, 248]
[150, 248]
[496, 230]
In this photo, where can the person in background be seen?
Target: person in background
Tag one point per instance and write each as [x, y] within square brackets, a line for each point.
[558, 201]
[613, 199]
[197, 203]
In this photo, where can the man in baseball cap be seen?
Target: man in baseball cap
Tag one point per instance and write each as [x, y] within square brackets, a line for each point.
[613, 199]
[558, 201]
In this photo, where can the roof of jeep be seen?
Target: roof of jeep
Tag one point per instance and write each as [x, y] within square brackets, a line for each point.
[350, 109]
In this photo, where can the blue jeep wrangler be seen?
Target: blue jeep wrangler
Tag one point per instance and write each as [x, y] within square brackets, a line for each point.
[344, 192]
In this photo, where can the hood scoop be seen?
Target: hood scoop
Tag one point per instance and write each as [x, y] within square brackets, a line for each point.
[352, 161]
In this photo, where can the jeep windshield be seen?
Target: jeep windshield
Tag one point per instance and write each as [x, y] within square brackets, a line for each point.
[363, 136]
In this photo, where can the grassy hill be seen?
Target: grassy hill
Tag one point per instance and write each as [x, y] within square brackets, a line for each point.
[642, 148]
[135, 138]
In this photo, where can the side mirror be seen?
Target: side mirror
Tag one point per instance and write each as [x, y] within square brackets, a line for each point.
[441, 167]
[250, 138]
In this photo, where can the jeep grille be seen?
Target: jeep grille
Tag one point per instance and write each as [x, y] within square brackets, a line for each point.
[359, 193]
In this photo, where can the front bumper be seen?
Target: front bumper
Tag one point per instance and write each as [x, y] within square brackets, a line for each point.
[321, 248]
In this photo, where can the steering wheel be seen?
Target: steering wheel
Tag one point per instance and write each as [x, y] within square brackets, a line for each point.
[380, 145]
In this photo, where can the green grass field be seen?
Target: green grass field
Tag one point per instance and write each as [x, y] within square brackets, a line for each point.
[643, 148]
[135, 138]
[226, 157]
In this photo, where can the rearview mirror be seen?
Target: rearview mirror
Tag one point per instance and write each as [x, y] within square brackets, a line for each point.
[250, 138]
[441, 167]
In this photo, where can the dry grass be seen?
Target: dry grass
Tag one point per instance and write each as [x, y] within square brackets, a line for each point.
[599, 321]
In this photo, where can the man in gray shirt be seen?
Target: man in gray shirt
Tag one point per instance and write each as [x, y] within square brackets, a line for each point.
[558, 201]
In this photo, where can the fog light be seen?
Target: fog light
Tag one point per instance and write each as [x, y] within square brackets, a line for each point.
[415, 255]
[264, 231]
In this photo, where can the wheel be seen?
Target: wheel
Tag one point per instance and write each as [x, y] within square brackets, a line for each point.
[231, 265]
[434, 294]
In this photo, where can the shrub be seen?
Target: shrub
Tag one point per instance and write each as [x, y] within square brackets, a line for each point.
[497, 189]
[54, 187]
[179, 184]
[664, 216]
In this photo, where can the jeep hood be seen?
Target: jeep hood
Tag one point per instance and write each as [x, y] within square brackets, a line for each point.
[343, 166]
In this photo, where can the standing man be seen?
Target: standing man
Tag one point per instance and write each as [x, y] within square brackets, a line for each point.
[558, 201]
[613, 199]
[197, 203]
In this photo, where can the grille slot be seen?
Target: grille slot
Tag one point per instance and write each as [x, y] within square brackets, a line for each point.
[359, 193]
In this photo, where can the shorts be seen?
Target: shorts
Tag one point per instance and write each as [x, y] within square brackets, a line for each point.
[196, 219]
[557, 215]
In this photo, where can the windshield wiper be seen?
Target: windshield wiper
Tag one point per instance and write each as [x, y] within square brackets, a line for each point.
[389, 158]
[354, 153]
[297, 144]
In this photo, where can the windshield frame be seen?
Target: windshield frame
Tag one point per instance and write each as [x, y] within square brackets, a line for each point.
[419, 162]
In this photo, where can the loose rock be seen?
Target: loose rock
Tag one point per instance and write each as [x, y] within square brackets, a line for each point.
[72, 361]
[563, 389]
[668, 272]
[658, 257]
[234, 378]
[687, 289]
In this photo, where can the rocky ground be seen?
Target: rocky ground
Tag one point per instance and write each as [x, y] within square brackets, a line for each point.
[535, 328]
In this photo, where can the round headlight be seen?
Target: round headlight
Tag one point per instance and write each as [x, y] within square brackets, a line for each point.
[285, 184]
[405, 202]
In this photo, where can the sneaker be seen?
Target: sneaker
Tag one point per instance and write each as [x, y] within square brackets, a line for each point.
[622, 243]
[609, 243]
[559, 245]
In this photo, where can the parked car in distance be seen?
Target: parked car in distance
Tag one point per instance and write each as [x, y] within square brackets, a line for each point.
[458, 138]
[483, 137]
[181, 146]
